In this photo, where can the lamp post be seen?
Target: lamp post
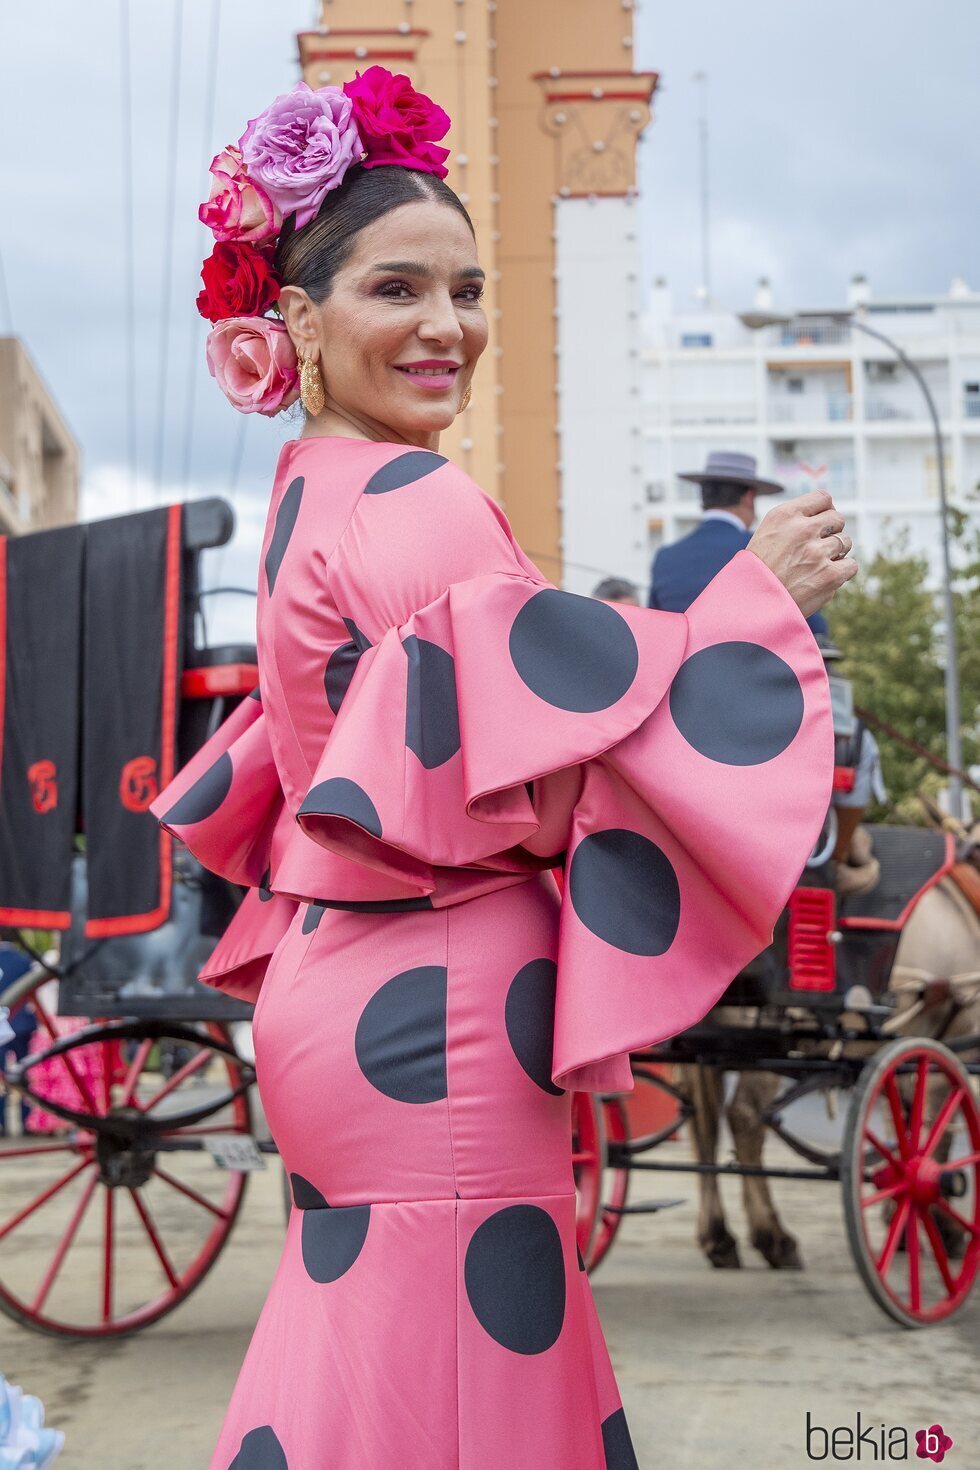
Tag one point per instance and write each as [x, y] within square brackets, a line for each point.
[755, 320]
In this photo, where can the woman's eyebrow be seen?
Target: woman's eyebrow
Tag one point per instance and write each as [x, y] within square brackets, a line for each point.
[419, 268]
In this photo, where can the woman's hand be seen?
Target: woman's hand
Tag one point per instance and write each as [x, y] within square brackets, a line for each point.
[803, 541]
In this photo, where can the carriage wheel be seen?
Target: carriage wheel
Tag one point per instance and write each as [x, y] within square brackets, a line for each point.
[616, 1181]
[588, 1163]
[910, 1169]
[102, 1234]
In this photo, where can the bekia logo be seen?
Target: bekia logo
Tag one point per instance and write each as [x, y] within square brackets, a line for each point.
[932, 1443]
[873, 1443]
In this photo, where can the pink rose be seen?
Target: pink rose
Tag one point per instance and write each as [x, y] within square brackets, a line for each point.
[397, 124]
[237, 209]
[254, 364]
[300, 147]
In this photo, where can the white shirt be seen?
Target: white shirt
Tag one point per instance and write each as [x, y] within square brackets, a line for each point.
[724, 515]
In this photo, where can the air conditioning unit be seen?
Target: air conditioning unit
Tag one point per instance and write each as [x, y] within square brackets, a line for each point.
[656, 490]
[882, 372]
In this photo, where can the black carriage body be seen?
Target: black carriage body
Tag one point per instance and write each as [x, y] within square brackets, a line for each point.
[852, 942]
[140, 915]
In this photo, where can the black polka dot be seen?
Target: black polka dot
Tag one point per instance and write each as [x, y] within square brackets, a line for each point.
[306, 1196]
[265, 892]
[573, 652]
[624, 889]
[332, 1235]
[616, 1443]
[403, 470]
[737, 703]
[515, 1278]
[205, 796]
[529, 1015]
[312, 917]
[579, 1258]
[339, 797]
[256, 694]
[260, 1450]
[285, 523]
[400, 1040]
[432, 717]
[341, 665]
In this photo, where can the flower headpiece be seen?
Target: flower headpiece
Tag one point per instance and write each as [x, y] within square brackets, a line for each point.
[285, 163]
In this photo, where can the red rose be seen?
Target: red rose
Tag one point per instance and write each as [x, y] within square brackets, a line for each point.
[397, 124]
[238, 281]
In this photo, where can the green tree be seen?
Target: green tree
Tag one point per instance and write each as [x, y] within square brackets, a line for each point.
[887, 623]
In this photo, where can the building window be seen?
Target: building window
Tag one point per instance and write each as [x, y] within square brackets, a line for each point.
[696, 339]
[794, 385]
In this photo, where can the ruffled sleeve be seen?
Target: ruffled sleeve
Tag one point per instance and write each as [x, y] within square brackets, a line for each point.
[683, 765]
[227, 806]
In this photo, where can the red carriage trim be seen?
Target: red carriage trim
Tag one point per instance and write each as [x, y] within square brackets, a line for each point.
[943, 871]
[216, 680]
[812, 964]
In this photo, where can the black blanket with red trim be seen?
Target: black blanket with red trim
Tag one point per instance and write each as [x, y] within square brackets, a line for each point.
[133, 630]
[91, 640]
[41, 579]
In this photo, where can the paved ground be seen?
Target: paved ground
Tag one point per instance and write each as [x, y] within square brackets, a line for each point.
[717, 1369]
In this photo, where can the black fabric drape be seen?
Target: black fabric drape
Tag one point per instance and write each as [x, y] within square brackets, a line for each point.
[91, 640]
[41, 578]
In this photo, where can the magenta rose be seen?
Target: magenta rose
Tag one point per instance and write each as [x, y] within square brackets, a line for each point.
[254, 364]
[237, 209]
[300, 147]
[397, 124]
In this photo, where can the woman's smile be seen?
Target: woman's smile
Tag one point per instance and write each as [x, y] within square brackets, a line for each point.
[430, 374]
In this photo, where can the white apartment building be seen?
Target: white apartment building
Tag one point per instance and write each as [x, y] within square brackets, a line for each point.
[818, 403]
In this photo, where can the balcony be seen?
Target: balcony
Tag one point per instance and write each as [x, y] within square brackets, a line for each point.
[971, 406]
[909, 410]
[809, 334]
[713, 411]
[814, 408]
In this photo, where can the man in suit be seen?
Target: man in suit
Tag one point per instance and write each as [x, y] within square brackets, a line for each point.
[729, 485]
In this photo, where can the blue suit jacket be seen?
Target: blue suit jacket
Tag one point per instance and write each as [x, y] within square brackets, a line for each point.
[683, 570]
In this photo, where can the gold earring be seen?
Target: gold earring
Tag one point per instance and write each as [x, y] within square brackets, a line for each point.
[466, 397]
[311, 387]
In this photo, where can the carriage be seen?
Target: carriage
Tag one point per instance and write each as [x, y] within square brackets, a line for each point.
[129, 1125]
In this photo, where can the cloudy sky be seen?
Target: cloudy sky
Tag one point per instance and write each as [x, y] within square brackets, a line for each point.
[843, 137]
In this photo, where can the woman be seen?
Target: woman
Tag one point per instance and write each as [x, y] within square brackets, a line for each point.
[436, 728]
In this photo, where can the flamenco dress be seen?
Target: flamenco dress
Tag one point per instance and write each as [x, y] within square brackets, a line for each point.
[436, 728]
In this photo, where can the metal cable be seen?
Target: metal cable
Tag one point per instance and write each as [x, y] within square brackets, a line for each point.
[211, 73]
[168, 246]
[129, 309]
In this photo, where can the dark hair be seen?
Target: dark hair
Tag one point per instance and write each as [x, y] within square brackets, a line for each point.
[312, 256]
[614, 589]
[722, 494]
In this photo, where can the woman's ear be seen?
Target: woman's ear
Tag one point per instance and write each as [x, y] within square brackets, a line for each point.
[299, 315]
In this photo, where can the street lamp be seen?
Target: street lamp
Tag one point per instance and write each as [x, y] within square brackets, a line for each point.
[755, 321]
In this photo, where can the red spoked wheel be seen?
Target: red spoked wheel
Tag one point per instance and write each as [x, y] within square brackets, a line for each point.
[112, 1205]
[616, 1181]
[910, 1169]
[588, 1164]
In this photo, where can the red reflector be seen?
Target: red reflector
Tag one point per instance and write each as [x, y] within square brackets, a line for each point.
[811, 954]
[843, 778]
[215, 679]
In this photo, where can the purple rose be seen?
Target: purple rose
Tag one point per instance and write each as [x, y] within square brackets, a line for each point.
[300, 147]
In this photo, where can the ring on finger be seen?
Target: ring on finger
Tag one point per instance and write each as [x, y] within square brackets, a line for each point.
[836, 536]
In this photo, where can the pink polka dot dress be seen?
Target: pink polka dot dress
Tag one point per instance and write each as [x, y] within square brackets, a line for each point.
[435, 729]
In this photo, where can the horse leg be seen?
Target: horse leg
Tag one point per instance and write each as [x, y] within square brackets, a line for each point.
[767, 1233]
[703, 1085]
